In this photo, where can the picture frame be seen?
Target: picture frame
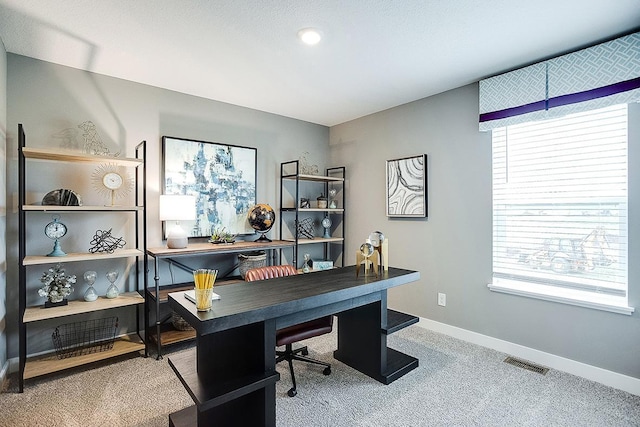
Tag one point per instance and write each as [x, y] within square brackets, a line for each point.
[221, 176]
[406, 187]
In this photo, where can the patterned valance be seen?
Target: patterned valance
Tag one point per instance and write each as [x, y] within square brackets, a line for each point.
[595, 77]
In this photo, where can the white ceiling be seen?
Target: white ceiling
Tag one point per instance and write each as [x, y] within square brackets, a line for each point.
[375, 54]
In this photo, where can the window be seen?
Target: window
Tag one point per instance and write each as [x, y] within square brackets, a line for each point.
[560, 209]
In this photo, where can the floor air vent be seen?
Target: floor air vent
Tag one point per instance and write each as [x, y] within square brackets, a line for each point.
[526, 365]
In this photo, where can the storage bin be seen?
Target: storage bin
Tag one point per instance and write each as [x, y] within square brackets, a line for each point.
[249, 260]
[85, 337]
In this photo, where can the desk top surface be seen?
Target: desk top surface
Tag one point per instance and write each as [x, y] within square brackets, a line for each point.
[249, 302]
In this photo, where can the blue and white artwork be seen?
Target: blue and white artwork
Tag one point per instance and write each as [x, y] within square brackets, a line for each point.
[407, 187]
[222, 177]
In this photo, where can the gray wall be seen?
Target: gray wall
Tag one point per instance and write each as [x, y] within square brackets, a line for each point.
[452, 248]
[3, 206]
[51, 100]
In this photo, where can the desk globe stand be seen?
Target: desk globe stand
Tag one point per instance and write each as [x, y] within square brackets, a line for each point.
[364, 256]
[263, 237]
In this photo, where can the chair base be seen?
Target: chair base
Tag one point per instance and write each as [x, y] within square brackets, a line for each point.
[289, 354]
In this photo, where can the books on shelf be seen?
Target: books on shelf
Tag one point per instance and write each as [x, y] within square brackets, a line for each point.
[322, 265]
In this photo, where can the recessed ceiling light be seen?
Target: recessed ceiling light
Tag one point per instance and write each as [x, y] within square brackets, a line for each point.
[309, 36]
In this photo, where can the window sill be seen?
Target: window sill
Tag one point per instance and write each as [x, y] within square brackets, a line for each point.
[564, 296]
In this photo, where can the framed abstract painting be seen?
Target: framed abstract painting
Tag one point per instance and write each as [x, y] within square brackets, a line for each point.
[222, 178]
[407, 187]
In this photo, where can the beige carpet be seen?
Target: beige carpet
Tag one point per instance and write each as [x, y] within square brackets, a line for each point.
[456, 384]
[132, 392]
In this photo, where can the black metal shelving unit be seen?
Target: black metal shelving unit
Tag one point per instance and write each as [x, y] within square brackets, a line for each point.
[30, 367]
[290, 209]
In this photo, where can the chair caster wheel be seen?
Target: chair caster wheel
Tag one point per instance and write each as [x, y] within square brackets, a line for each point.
[327, 370]
[292, 392]
[305, 352]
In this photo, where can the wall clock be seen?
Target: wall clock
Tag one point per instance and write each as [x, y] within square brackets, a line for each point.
[112, 181]
[55, 230]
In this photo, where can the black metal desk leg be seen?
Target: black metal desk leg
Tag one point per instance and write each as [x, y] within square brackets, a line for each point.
[156, 279]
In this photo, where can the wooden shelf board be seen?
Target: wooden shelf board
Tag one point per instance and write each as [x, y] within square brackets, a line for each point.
[397, 320]
[35, 314]
[398, 364]
[79, 256]
[50, 208]
[165, 290]
[187, 417]
[319, 240]
[50, 363]
[210, 248]
[319, 178]
[169, 335]
[209, 395]
[76, 157]
[328, 210]
[311, 270]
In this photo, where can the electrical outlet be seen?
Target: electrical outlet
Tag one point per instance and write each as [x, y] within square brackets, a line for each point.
[442, 299]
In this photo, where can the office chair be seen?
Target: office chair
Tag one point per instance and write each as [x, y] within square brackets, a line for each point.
[289, 335]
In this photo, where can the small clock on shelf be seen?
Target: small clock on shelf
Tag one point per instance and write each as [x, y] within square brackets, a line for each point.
[113, 181]
[55, 230]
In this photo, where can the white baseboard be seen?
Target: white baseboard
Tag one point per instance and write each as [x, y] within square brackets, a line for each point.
[593, 373]
[14, 364]
[3, 374]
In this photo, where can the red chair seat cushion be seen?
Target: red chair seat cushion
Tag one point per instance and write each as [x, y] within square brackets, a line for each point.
[305, 330]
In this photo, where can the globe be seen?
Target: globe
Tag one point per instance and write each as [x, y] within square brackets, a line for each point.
[261, 218]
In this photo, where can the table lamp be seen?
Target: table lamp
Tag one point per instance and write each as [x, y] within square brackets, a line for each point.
[177, 207]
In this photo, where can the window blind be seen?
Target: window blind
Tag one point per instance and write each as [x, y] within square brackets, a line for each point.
[560, 201]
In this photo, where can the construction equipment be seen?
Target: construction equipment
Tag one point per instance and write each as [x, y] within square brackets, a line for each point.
[565, 255]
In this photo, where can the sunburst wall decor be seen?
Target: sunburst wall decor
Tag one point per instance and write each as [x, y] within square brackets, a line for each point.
[112, 181]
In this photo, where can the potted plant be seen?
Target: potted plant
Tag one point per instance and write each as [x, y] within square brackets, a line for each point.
[56, 286]
[222, 236]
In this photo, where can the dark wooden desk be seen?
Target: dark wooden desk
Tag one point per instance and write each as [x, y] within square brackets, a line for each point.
[231, 373]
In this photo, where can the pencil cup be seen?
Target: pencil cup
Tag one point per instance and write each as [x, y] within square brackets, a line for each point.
[204, 280]
[203, 299]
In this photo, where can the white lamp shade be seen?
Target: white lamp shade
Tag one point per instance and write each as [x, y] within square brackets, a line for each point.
[177, 207]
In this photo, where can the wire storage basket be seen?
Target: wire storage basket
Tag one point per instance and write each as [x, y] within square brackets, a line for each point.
[85, 337]
[249, 260]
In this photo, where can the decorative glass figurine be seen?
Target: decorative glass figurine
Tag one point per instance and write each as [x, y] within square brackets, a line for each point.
[305, 266]
[332, 198]
[112, 290]
[90, 278]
